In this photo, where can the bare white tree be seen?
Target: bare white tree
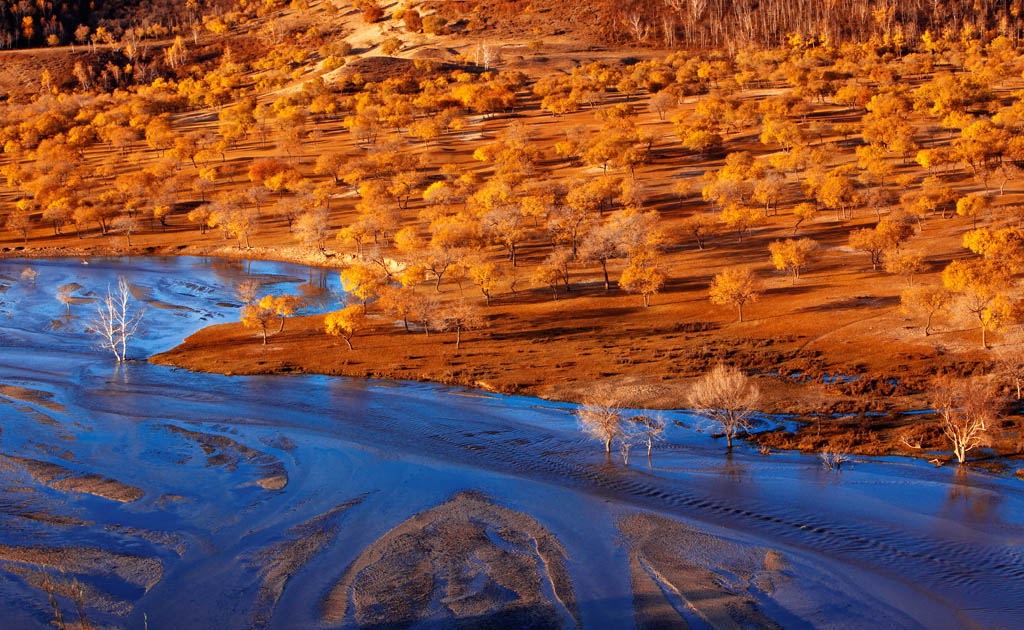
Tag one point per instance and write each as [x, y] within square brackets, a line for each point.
[650, 429]
[966, 411]
[601, 419]
[116, 321]
[726, 396]
[485, 55]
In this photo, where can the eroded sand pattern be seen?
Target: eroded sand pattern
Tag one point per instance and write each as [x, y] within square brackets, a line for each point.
[468, 562]
[176, 500]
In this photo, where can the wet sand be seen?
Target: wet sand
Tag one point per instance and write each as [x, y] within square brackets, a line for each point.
[465, 564]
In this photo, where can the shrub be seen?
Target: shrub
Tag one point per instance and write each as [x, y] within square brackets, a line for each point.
[333, 63]
[391, 46]
[372, 13]
[412, 20]
[434, 25]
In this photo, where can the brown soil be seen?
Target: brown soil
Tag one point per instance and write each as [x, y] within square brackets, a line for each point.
[35, 396]
[273, 483]
[468, 562]
[227, 453]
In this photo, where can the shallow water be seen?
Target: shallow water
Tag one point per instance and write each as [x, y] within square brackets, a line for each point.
[886, 541]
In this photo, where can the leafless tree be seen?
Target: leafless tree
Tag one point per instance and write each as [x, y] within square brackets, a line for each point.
[116, 321]
[726, 396]
[831, 460]
[246, 291]
[650, 429]
[1010, 365]
[967, 411]
[601, 419]
[126, 224]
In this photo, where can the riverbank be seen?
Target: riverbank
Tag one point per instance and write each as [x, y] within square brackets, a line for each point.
[841, 394]
[846, 371]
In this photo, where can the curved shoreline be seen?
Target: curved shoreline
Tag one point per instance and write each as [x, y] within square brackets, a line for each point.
[849, 409]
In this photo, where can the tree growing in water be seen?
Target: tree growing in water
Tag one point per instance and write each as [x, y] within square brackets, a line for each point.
[967, 411]
[116, 321]
[726, 396]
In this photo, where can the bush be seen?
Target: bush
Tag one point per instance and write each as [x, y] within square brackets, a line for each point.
[412, 20]
[434, 25]
[333, 63]
[391, 46]
[373, 13]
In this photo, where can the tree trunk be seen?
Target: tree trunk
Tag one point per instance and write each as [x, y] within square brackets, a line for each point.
[347, 342]
[458, 337]
[739, 309]
[264, 335]
[281, 328]
[608, 446]
[604, 268]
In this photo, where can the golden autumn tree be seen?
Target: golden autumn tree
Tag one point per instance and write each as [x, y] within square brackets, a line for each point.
[643, 276]
[736, 287]
[980, 285]
[260, 314]
[460, 315]
[362, 281]
[345, 323]
[792, 255]
[926, 301]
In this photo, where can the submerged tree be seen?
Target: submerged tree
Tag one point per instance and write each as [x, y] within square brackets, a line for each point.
[967, 411]
[601, 419]
[650, 429]
[726, 396]
[116, 321]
